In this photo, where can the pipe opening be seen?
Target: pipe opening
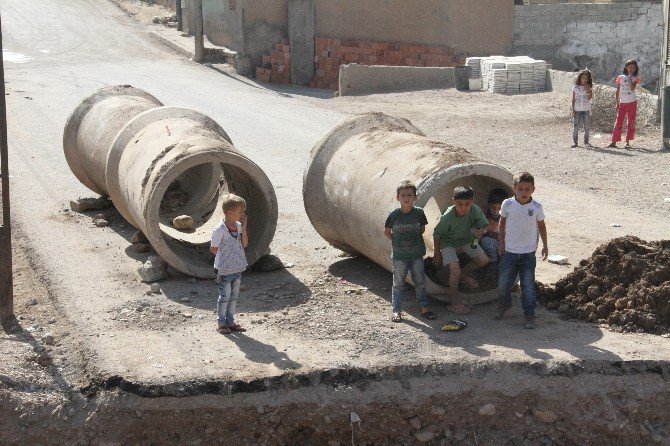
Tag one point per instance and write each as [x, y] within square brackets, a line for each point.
[437, 204]
[198, 192]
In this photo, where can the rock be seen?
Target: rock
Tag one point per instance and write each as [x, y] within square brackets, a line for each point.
[447, 433]
[188, 315]
[43, 359]
[192, 280]
[563, 307]
[142, 247]
[184, 299]
[437, 410]
[154, 269]
[157, 19]
[33, 302]
[557, 259]
[546, 416]
[460, 434]
[138, 237]
[267, 263]
[155, 288]
[49, 340]
[148, 292]
[288, 265]
[51, 321]
[615, 225]
[487, 409]
[423, 436]
[183, 222]
[100, 223]
[415, 422]
[90, 204]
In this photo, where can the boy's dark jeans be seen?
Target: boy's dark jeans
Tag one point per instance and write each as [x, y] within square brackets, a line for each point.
[524, 265]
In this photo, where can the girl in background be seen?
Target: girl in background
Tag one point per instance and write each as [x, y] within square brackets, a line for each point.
[626, 102]
[582, 93]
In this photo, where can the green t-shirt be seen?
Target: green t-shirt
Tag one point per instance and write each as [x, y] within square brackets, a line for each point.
[454, 231]
[407, 241]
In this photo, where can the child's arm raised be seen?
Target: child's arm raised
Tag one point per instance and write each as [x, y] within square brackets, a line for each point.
[245, 238]
[542, 228]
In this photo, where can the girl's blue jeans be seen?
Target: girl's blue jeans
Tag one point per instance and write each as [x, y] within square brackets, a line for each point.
[229, 289]
[585, 117]
[524, 265]
[400, 270]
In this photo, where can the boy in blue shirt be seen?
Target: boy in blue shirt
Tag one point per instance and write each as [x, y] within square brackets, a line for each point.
[404, 227]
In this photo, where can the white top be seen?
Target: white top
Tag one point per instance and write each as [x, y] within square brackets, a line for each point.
[582, 101]
[521, 233]
[626, 95]
[230, 257]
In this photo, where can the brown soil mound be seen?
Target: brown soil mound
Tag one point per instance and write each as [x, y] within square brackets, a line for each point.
[625, 283]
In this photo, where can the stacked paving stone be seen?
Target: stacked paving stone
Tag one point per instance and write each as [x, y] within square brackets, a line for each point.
[329, 54]
[276, 66]
[519, 74]
[475, 64]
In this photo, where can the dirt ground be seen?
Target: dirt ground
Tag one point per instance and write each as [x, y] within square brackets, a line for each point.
[46, 364]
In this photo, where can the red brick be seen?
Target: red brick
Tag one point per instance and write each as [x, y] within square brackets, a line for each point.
[284, 41]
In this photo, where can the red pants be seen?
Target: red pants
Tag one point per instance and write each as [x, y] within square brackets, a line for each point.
[625, 109]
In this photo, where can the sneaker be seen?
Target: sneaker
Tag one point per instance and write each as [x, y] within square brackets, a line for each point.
[500, 311]
[574, 146]
[587, 144]
[529, 322]
[612, 144]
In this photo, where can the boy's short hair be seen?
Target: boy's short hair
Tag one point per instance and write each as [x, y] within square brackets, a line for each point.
[231, 201]
[464, 193]
[406, 185]
[497, 196]
[524, 177]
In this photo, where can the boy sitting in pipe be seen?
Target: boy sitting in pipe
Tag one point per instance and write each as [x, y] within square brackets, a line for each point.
[454, 234]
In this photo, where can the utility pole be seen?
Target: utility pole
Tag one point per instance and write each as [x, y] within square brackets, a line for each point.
[196, 13]
[180, 22]
[664, 81]
[6, 284]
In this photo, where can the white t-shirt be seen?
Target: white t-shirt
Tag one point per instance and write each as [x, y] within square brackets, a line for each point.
[230, 257]
[582, 101]
[626, 95]
[521, 233]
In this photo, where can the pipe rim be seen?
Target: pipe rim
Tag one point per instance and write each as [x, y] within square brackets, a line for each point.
[130, 131]
[203, 155]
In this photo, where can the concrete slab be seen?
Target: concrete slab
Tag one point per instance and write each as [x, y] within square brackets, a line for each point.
[364, 79]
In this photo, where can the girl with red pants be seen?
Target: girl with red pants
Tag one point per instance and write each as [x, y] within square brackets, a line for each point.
[626, 102]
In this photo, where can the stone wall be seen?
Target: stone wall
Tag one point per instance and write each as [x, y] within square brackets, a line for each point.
[599, 36]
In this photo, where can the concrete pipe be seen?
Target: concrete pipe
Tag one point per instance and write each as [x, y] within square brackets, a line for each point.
[350, 185]
[157, 163]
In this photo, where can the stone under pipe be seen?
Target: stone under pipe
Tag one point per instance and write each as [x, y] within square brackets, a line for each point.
[156, 163]
[349, 185]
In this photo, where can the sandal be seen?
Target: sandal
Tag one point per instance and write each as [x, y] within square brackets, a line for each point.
[236, 327]
[469, 283]
[429, 315]
[455, 325]
[223, 329]
[397, 317]
[459, 309]
[613, 145]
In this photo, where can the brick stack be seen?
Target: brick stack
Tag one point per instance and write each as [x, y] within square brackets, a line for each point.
[276, 66]
[329, 54]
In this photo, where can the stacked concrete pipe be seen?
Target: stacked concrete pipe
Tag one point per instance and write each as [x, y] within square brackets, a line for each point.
[122, 142]
[350, 184]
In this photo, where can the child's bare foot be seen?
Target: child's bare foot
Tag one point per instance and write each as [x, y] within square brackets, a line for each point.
[459, 309]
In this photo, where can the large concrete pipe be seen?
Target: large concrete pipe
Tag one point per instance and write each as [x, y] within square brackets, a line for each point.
[350, 184]
[157, 163]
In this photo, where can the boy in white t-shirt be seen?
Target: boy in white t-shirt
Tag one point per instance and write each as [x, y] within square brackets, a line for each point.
[521, 221]
[229, 239]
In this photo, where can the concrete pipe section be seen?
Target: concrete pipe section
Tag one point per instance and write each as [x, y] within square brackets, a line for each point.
[157, 163]
[350, 185]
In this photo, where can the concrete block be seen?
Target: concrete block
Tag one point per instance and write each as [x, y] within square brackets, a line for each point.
[364, 79]
[301, 40]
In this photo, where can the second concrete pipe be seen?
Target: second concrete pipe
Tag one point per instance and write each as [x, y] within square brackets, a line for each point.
[158, 162]
[350, 183]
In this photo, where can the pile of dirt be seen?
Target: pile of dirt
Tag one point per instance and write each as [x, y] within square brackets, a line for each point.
[625, 284]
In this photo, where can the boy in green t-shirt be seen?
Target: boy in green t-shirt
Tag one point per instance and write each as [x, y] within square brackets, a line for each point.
[404, 227]
[455, 233]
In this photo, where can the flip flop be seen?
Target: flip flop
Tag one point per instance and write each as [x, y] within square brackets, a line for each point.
[455, 325]
[397, 317]
[459, 309]
[223, 330]
[236, 327]
[429, 315]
